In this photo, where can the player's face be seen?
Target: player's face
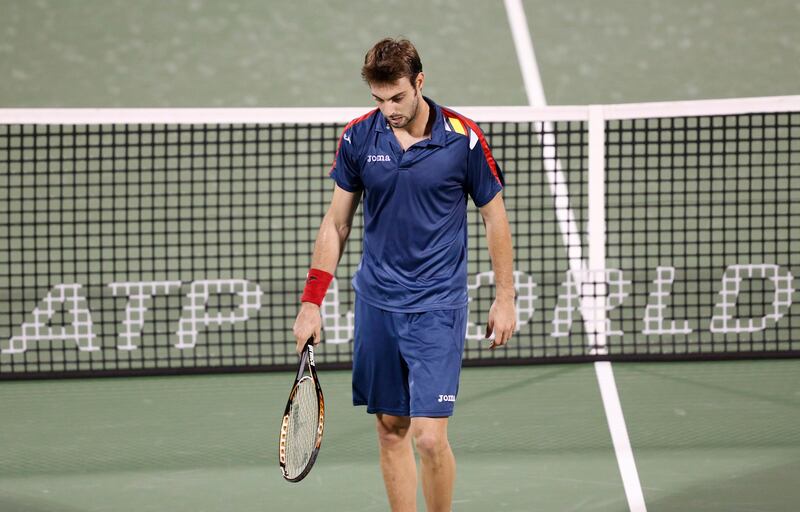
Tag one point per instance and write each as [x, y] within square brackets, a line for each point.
[398, 100]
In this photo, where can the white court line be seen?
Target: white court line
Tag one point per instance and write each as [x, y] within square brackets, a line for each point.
[525, 55]
[605, 375]
[555, 176]
[619, 436]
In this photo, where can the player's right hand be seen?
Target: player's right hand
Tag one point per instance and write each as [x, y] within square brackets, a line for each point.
[307, 324]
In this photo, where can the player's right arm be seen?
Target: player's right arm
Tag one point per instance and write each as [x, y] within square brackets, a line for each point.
[328, 249]
[333, 232]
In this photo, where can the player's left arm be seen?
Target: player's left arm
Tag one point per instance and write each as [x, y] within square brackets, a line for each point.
[502, 315]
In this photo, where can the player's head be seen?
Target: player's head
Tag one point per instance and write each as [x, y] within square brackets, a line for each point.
[393, 71]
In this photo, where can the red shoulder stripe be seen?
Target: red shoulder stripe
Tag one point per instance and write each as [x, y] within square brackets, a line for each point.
[485, 145]
[347, 127]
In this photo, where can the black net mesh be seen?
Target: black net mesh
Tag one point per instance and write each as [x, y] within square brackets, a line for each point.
[174, 248]
[703, 218]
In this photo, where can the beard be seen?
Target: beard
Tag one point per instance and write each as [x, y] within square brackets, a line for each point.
[404, 121]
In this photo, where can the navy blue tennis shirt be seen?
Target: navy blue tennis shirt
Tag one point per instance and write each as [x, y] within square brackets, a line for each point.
[415, 208]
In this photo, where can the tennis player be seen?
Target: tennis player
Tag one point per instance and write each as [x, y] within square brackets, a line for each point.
[415, 164]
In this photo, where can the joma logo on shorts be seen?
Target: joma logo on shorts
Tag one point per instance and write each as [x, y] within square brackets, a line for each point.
[378, 158]
[447, 398]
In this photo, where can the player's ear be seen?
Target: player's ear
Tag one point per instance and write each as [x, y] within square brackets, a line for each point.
[419, 81]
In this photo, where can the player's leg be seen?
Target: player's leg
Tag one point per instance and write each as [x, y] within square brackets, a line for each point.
[432, 348]
[437, 464]
[380, 381]
[397, 462]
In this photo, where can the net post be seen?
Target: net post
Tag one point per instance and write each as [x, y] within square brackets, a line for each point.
[596, 231]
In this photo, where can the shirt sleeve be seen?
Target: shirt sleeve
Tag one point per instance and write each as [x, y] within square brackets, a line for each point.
[345, 171]
[484, 176]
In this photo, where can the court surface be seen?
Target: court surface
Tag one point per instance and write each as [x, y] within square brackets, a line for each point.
[249, 53]
[706, 436]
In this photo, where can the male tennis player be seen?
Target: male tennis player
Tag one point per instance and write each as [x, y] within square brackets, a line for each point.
[415, 164]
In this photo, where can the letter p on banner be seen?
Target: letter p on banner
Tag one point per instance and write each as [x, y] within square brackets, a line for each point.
[195, 313]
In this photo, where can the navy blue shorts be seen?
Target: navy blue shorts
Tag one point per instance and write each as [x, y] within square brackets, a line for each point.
[407, 364]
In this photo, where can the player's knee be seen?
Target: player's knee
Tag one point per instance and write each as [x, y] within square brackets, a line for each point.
[392, 430]
[431, 444]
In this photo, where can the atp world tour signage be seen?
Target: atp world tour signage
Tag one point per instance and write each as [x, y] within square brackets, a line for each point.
[196, 315]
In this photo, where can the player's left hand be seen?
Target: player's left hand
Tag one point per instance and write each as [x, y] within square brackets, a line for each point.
[502, 322]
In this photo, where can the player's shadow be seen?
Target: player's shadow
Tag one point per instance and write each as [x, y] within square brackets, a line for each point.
[543, 376]
[494, 391]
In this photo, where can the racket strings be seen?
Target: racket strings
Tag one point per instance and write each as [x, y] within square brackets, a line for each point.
[302, 429]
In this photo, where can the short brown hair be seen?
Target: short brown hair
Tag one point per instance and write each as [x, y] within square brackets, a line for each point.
[390, 60]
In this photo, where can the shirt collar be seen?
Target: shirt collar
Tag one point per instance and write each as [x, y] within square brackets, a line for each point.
[438, 135]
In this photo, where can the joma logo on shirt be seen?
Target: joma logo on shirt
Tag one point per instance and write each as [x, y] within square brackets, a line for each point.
[447, 398]
[378, 158]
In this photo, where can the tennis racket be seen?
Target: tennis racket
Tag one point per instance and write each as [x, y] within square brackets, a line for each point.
[303, 420]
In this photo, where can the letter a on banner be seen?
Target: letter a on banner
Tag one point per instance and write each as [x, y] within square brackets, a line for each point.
[80, 329]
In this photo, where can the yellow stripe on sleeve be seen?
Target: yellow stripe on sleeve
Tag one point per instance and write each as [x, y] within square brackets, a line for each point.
[457, 126]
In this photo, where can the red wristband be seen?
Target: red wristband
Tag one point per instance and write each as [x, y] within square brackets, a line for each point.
[317, 284]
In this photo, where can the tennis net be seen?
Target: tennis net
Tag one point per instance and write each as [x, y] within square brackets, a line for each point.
[171, 241]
